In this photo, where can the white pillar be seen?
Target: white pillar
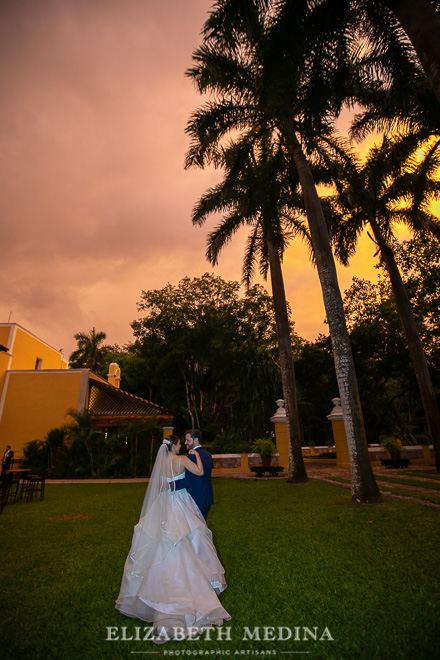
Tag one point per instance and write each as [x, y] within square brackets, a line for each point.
[281, 439]
[337, 419]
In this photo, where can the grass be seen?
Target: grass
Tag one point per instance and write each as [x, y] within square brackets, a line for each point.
[384, 483]
[409, 482]
[428, 474]
[425, 497]
[295, 556]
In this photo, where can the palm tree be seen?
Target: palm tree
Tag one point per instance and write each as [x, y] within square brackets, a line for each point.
[144, 429]
[391, 187]
[89, 354]
[282, 67]
[390, 86]
[255, 191]
[82, 436]
[384, 24]
[54, 441]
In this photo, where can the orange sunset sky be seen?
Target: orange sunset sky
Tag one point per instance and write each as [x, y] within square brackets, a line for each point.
[95, 202]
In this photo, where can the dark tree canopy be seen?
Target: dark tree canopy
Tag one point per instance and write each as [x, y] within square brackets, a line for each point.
[211, 354]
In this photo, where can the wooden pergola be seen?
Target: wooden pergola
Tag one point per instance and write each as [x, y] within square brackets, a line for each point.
[110, 407]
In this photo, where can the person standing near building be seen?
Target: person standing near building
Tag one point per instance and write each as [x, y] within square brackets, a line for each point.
[7, 458]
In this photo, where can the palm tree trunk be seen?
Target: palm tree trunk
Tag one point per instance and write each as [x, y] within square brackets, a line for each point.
[414, 344]
[422, 25]
[297, 471]
[363, 483]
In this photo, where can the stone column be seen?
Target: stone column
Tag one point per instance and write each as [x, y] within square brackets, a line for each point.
[337, 419]
[167, 430]
[114, 374]
[281, 438]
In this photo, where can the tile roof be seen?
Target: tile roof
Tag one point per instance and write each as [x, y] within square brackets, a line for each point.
[111, 406]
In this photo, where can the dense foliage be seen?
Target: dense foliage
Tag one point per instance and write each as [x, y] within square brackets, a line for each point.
[211, 356]
[390, 396]
[79, 450]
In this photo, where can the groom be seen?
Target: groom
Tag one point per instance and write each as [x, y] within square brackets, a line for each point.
[199, 488]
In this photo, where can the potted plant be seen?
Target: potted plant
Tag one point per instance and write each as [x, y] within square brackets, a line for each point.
[265, 448]
[393, 447]
[329, 444]
[312, 448]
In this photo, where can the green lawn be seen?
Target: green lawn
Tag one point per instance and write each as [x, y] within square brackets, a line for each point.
[429, 473]
[295, 557]
[389, 484]
[409, 481]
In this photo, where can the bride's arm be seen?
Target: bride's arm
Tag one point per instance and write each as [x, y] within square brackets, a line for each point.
[195, 469]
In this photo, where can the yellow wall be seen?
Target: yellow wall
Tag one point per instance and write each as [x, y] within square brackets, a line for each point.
[35, 402]
[4, 334]
[26, 348]
[4, 364]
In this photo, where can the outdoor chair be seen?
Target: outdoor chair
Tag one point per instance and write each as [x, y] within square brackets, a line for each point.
[14, 487]
[33, 483]
[5, 484]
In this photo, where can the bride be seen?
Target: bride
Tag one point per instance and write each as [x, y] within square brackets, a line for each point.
[172, 574]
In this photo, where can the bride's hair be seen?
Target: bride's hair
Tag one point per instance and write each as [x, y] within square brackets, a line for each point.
[171, 440]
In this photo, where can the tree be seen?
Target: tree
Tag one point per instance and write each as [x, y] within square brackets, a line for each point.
[317, 386]
[211, 354]
[256, 192]
[390, 84]
[82, 440]
[386, 23]
[283, 67]
[419, 262]
[54, 440]
[390, 397]
[89, 354]
[391, 186]
[135, 369]
[140, 434]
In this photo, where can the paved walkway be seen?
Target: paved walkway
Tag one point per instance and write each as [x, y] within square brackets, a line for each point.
[330, 474]
[319, 472]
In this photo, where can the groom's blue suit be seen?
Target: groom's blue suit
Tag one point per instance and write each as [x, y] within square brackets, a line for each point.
[200, 488]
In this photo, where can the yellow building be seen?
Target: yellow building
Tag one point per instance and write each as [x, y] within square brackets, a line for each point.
[37, 390]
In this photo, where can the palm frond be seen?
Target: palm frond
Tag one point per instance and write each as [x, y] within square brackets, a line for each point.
[208, 126]
[220, 73]
[254, 251]
[222, 235]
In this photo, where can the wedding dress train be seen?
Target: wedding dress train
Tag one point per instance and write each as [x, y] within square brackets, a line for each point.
[172, 574]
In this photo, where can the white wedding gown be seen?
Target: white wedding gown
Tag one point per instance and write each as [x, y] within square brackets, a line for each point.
[172, 574]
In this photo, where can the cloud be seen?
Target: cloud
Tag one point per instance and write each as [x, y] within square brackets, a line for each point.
[95, 203]
[94, 198]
